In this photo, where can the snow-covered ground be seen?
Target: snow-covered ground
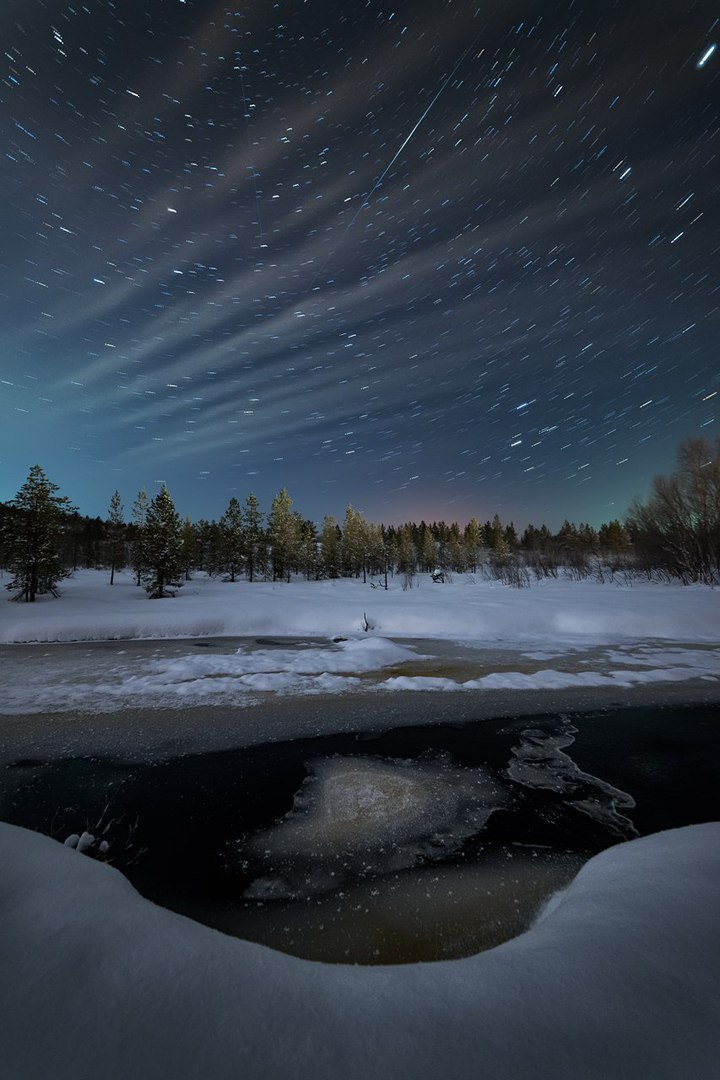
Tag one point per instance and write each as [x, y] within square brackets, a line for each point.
[618, 979]
[337, 636]
[552, 612]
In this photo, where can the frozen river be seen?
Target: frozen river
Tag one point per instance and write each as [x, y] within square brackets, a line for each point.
[366, 834]
[357, 799]
[143, 699]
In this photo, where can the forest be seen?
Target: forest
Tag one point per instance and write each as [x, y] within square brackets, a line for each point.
[672, 534]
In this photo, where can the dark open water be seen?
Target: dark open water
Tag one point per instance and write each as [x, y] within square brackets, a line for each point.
[416, 843]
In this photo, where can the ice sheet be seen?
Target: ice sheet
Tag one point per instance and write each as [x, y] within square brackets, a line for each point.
[539, 761]
[355, 817]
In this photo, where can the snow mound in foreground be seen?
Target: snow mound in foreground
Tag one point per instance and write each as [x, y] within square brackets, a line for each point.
[618, 978]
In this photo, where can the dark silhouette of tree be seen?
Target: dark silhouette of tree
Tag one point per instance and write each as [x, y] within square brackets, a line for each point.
[115, 533]
[473, 539]
[139, 517]
[162, 560]
[34, 537]
[207, 537]
[188, 547]
[677, 529]
[308, 549]
[231, 555]
[254, 536]
[330, 547]
[283, 535]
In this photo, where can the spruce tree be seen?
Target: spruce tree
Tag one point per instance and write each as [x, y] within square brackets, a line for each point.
[254, 536]
[307, 551]
[162, 561]
[495, 537]
[232, 541]
[188, 547]
[428, 551]
[406, 556]
[283, 535]
[34, 537]
[375, 552]
[354, 542]
[473, 537]
[206, 536]
[456, 550]
[139, 515]
[613, 538]
[330, 558]
[115, 532]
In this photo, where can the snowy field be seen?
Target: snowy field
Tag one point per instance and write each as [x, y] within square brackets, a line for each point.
[343, 636]
[616, 980]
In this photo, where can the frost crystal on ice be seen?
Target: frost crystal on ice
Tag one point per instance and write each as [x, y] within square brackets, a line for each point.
[354, 817]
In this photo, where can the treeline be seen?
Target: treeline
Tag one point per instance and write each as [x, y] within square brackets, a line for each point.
[675, 533]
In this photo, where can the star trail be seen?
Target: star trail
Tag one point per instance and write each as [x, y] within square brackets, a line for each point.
[432, 259]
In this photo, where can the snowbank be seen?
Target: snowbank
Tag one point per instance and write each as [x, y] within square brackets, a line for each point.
[337, 637]
[619, 978]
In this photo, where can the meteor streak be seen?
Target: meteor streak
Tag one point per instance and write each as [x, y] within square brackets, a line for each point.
[407, 138]
[706, 56]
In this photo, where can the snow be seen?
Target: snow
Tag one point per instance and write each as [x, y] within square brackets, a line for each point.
[466, 609]
[338, 636]
[618, 977]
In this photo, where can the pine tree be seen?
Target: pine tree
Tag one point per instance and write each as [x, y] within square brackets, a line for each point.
[354, 542]
[232, 541]
[162, 562]
[406, 556]
[139, 517]
[7, 514]
[254, 535]
[330, 559]
[188, 547]
[473, 537]
[496, 539]
[511, 536]
[282, 533]
[392, 545]
[115, 532]
[441, 533]
[308, 555]
[34, 537]
[206, 540]
[426, 548]
[456, 550]
[613, 538]
[375, 552]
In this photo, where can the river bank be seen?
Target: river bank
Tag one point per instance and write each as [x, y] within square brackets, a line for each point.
[144, 734]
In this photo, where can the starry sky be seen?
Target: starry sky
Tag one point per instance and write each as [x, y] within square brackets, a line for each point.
[433, 258]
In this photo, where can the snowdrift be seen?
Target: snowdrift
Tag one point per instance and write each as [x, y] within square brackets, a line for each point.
[618, 978]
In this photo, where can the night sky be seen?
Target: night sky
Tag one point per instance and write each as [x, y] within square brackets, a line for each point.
[434, 259]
